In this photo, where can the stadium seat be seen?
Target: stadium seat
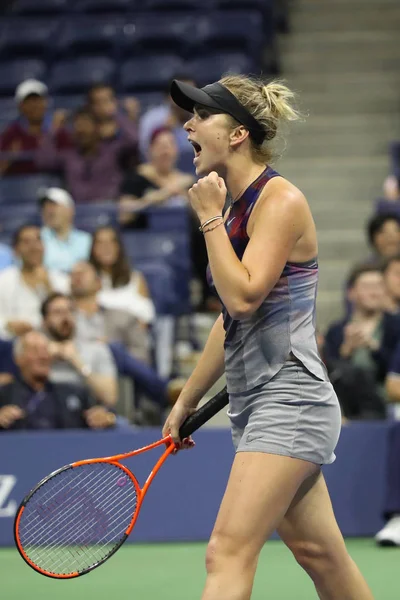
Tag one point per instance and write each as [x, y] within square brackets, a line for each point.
[8, 109]
[175, 4]
[24, 188]
[172, 249]
[238, 31]
[15, 71]
[263, 6]
[210, 68]
[160, 278]
[150, 99]
[104, 6]
[168, 218]
[157, 32]
[149, 72]
[70, 103]
[89, 36]
[74, 76]
[13, 216]
[91, 216]
[38, 40]
[387, 207]
[41, 7]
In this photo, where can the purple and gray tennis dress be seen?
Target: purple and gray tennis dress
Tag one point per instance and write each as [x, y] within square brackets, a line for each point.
[280, 398]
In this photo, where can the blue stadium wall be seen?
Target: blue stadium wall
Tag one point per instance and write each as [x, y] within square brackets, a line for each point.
[183, 501]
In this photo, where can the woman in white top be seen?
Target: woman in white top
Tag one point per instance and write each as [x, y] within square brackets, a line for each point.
[123, 288]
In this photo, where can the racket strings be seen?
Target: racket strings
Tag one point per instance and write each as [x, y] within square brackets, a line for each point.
[77, 518]
[62, 528]
[65, 526]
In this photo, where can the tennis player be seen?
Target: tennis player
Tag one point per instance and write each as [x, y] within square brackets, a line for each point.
[284, 414]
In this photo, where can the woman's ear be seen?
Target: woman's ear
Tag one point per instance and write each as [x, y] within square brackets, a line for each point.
[238, 135]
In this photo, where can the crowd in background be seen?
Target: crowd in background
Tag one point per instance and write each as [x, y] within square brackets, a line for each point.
[110, 151]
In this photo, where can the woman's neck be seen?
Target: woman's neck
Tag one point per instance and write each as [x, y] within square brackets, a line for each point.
[238, 177]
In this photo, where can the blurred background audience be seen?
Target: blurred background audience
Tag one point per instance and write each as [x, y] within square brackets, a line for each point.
[64, 245]
[358, 349]
[21, 138]
[88, 363]
[31, 401]
[168, 115]
[384, 235]
[89, 165]
[24, 286]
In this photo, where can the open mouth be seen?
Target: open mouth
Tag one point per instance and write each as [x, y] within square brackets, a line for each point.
[196, 148]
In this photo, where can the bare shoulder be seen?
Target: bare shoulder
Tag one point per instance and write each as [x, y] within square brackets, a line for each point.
[279, 196]
[281, 190]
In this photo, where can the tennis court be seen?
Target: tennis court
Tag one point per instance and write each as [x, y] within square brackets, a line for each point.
[176, 572]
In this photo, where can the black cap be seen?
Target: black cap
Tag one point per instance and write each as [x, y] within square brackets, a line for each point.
[216, 96]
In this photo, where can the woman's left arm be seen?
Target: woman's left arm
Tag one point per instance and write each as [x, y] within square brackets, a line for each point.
[243, 285]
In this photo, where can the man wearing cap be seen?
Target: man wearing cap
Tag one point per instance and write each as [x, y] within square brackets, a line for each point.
[21, 138]
[64, 245]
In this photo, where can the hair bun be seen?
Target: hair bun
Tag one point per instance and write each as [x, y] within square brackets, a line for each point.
[279, 98]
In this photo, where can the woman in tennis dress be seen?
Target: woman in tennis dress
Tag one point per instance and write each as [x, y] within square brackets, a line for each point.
[284, 414]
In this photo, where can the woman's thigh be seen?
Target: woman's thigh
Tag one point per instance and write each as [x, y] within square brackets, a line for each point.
[309, 527]
[260, 490]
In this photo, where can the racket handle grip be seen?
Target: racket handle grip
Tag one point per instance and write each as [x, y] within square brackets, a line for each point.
[204, 413]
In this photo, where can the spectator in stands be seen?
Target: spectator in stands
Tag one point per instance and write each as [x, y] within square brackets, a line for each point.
[90, 167]
[168, 115]
[122, 287]
[391, 186]
[63, 244]
[115, 126]
[153, 182]
[31, 401]
[105, 323]
[24, 287]
[119, 329]
[21, 138]
[391, 275]
[384, 235]
[358, 350]
[85, 363]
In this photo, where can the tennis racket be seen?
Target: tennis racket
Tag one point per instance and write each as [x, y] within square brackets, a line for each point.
[80, 515]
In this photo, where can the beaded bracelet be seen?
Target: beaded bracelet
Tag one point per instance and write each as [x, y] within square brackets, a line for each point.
[212, 228]
[209, 221]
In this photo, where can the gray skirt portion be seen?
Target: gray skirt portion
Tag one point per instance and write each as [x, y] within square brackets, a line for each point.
[294, 414]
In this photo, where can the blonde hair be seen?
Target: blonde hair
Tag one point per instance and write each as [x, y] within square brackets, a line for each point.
[270, 104]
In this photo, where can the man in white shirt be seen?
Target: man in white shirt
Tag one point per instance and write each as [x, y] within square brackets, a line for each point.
[24, 287]
[63, 244]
